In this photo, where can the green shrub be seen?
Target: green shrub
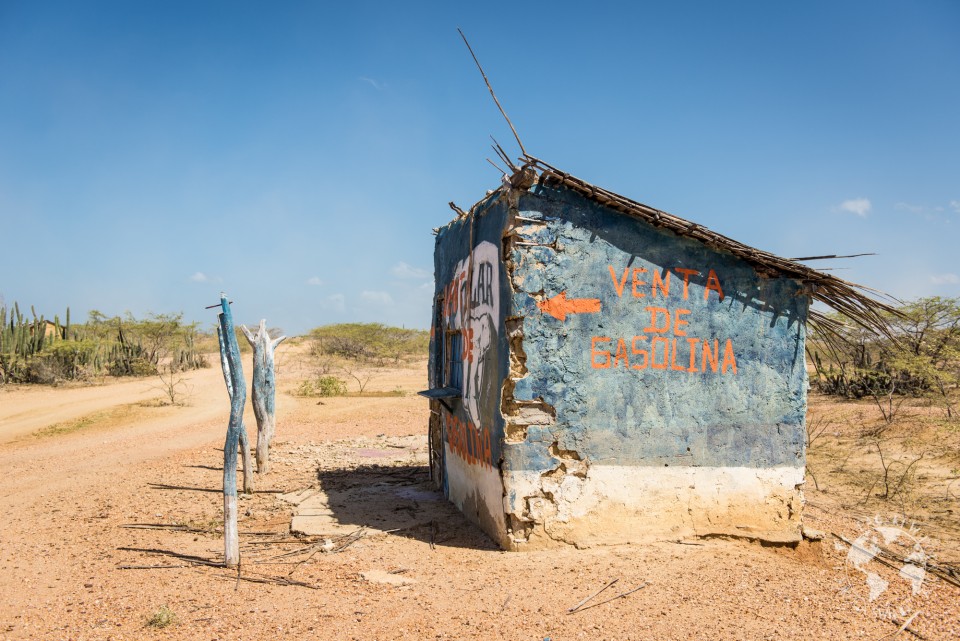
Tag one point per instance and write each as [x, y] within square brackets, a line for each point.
[63, 361]
[162, 618]
[920, 357]
[323, 386]
[369, 342]
[34, 351]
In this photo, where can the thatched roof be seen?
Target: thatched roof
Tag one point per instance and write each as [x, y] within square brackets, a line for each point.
[856, 302]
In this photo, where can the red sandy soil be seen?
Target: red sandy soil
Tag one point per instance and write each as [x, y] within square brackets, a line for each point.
[83, 464]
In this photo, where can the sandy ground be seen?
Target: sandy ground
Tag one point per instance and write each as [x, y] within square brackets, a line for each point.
[83, 465]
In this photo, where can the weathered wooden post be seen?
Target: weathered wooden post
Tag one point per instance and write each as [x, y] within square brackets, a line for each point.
[244, 445]
[231, 541]
[264, 391]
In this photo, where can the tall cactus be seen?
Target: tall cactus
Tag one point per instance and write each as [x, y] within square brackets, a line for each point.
[4, 336]
[20, 340]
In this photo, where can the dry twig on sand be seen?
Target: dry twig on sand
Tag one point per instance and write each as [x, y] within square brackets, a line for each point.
[905, 626]
[613, 598]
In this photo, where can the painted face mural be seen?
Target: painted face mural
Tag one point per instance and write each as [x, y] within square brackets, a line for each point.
[472, 307]
[480, 331]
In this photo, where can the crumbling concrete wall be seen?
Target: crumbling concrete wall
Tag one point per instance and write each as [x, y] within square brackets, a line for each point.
[656, 386]
[619, 382]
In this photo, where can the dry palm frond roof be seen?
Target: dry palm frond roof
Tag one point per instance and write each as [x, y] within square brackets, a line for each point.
[856, 302]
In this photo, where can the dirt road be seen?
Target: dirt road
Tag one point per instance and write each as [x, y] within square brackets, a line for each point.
[29, 408]
[71, 567]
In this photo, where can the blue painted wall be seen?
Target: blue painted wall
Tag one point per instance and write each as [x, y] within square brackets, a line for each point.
[642, 349]
[616, 402]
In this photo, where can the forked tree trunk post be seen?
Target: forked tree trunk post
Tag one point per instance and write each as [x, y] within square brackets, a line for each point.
[231, 541]
[264, 391]
[244, 445]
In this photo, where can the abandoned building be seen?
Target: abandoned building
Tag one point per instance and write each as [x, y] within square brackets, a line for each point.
[604, 372]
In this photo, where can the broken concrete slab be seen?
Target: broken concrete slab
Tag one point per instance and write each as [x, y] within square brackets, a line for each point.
[394, 493]
[378, 507]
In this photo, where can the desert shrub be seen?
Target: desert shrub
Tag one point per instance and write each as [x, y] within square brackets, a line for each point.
[187, 356]
[162, 618]
[33, 351]
[63, 361]
[40, 370]
[322, 386]
[136, 347]
[920, 357]
[369, 342]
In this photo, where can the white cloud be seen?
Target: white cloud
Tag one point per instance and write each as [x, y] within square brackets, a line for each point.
[336, 302]
[858, 206]
[315, 281]
[913, 209]
[403, 270]
[380, 298]
[938, 213]
[200, 277]
[428, 286]
[945, 279]
[373, 83]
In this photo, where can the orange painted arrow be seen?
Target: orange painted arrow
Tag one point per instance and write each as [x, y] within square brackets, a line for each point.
[559, 306]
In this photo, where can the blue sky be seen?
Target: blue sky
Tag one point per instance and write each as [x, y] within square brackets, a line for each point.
[297, 155]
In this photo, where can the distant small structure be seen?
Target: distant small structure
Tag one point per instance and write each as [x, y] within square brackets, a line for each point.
[49, 328]
[603, 372]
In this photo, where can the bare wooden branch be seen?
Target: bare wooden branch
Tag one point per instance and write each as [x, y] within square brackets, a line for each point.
[496, 166]
[905, 626]
[613, 598]
[482, 73]
[803, 258]
[244, 445]
[503, 155]
[231, 539]
[163, 526]
[264, 390]
[592, 596]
